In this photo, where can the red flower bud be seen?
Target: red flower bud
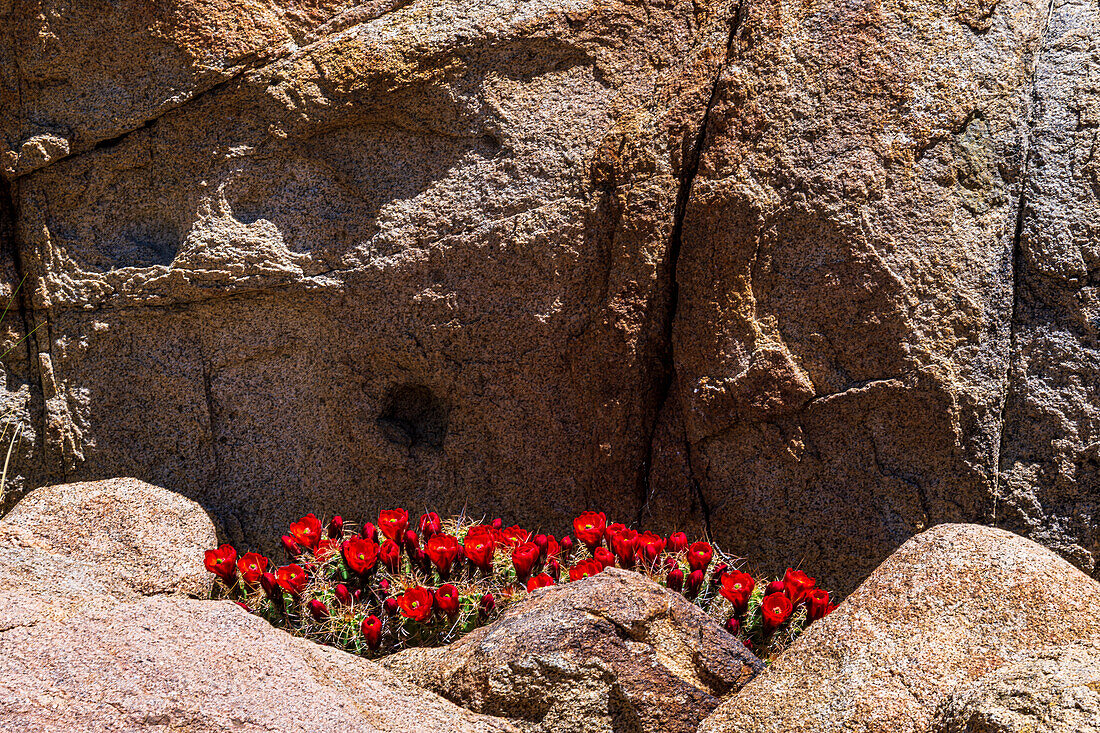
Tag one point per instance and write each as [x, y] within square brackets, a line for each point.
[817, 603]
[370, 532]
[677, 542]
[719, 570]
[776, 586]
[694, 583]
[384, 587]
[393, 523]
[733, 625]
[292, 579]
[306, 531]
[391, 606]
[699, 555]
[748, 644]
[622, 543]
[416, 604]
[446, 597]
[553, 569]
[361, 555]
[497, 524]
[566, 546]
[371, 629]
[480, 546]
[410, 541]
[244, 606]
[222, 562]
[648, 547]
[390, 555]
[343, 595]
[443, 549]
[429, 525]
[524, 559]
[604, 557]
[271, 588]
[589, 528]
[543, 543]
[292, 548]
[336, 528]
[318, 610]
[775, 608]
[675, 580]
[797, 584]
[252, 565]
[487, 605]
[539, 581]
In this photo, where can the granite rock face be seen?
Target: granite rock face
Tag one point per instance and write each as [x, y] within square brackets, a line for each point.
[614, 653]
[952, 605]
[69, 548]
[1054, 690]
[174, 663]
[823, 267]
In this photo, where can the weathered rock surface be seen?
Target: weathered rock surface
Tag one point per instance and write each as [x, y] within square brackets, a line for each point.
[950, 606]
[1054, 690]
[68, 548]
[173, 663]
[826, 266]
[614, 652]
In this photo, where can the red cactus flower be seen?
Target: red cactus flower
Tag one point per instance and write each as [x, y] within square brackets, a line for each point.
[542, 580]
[817, 603]
[371, 629]
[244, 606]
[369, 532]
[733, 625]
[604, 557]
[336, 528]
[343, 595]
[553, 549]
[390, 555]
[589, 528]
[736, 587]
[292, 579]
[252, 565]
[675, 580]
[443, 550]
[446, 597]
[393, 523]
[612, 529]
[306, 531]
[524, 558]
[384, 587]
[543, 543]
[694, 583]
[513, 537]
[487, 605]
[566, 546]
[748, 644]
[390, 605]
[497, 524]
[677, 542]
[291, 546]
[222, 562]
[776, 608]
[648, 547]
[361, 555]
[326, 548]
[553, 569]
[719, 570]
[410, 541]
[622, 543]
[416, 604]
[797, 584]
[429, 525]
[584, 569]
[480, 547]
[699, 555]
[776, 586]
[318, 610]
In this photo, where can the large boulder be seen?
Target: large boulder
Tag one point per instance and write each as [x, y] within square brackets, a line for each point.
[1053, 690]
[180, 664]
[951, 605]
[70, 547]
[613, 653]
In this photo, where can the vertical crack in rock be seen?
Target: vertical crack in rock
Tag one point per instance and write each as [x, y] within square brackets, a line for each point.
[1016, 264]
[683, 196]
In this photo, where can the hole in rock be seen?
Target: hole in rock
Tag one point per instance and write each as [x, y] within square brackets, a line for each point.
[412, 415]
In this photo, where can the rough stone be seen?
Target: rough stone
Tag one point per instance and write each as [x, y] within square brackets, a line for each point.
[404, 264]
[841, 340]
[612, 653]
[951, 605]
[175, 664]
[67, 548]
[1055, 690]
